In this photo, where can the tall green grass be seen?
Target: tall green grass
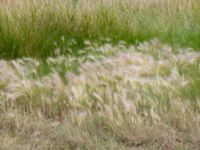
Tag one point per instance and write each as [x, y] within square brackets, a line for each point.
[32, 28]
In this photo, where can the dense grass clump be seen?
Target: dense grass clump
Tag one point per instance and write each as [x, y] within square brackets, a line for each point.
[74, 74]
[116, 97]
[37, 28]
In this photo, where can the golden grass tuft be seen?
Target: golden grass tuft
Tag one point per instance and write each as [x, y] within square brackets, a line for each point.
[144, 96]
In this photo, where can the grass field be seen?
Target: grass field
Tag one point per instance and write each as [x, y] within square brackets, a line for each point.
[104, 74]
[37, 27]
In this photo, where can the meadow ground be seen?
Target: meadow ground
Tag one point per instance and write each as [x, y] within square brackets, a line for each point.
[103, 74]
[144, 97]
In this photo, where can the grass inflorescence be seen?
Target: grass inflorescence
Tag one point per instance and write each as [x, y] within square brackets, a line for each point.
[99, 74]
[144, 96]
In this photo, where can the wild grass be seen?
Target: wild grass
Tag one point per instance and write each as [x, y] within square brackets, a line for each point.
[83, 74]
[136, 97]
[36, 28]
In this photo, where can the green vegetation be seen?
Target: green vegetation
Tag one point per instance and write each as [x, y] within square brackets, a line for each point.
[32, 28]
[99, 74]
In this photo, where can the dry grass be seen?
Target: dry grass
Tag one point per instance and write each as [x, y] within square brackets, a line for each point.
[137, 97]
[93, 94]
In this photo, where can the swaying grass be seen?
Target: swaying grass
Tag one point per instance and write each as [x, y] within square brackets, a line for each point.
[144, 96]
[35, 28]
[82, 79]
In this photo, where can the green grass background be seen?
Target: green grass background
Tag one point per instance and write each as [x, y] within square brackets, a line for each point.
[36, 28]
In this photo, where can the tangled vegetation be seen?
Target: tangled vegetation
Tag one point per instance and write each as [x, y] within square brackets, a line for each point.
[144, 96]
[99, 74]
